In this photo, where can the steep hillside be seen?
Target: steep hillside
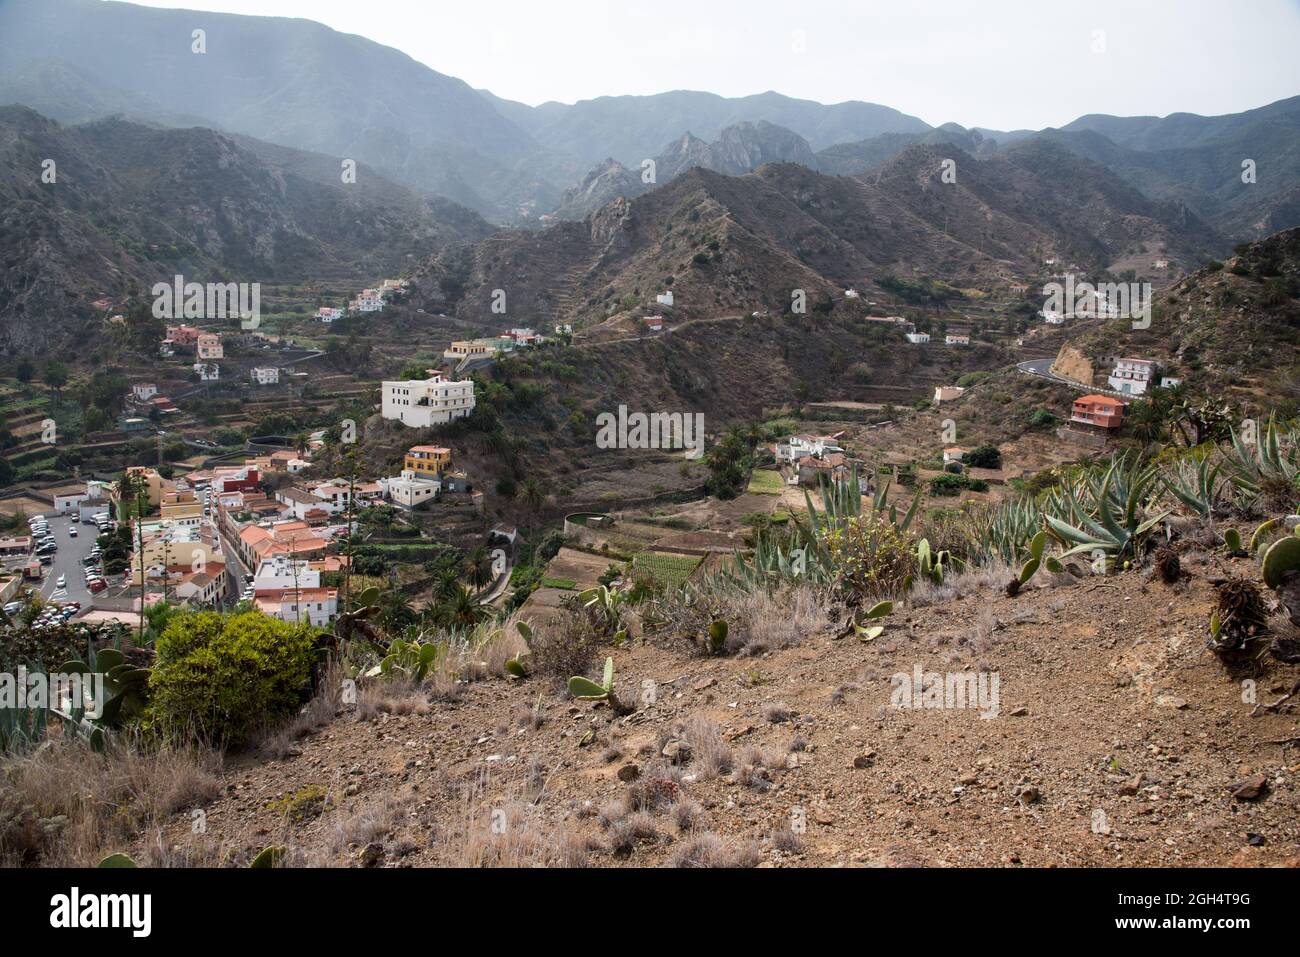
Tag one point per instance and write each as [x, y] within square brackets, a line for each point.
[630, 128]
[863, 156]
[744, 243]
[293, 82]
[737, 150]
[1226, 328]
[1198, 161]
[132, 205]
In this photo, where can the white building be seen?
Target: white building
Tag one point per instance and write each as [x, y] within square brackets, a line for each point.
[207, 371]
[796, 447]
[421, 403]
[275, 574]
[666, 299]
[319, 606]
[144, 391]
[1132, 376]
[918, 338]
[956, 340]
[850, 294]
[1052, 317]
[328, 314]
[265, 375]
[1170, 382]
[410, 489]
[300, 503]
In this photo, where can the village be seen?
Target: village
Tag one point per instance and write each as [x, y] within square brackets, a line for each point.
[218, 527]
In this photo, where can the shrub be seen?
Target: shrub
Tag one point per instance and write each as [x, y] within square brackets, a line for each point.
[566, 645]
[986, 456]
[955, 484]
[221, 678]
[872, 555]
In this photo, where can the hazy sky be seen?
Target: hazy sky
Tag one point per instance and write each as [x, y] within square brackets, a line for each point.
[1005, 64]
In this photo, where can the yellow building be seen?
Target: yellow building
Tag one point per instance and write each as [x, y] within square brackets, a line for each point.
[152, 483]
[427, 460]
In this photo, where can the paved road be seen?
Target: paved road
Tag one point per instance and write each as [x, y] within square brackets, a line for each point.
[1043, 369]
[67, 560]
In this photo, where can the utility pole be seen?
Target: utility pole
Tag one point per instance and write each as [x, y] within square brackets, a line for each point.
[139, 548]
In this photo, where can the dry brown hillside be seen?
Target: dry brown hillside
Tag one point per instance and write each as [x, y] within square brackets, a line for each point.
[1118, 740]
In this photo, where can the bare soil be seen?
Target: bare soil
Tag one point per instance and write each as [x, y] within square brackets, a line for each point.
[1118, 740]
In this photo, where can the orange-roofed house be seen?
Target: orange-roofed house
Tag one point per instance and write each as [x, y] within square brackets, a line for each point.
[1099, 411]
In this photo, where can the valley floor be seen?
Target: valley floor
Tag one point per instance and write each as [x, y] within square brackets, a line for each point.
[1118, 741]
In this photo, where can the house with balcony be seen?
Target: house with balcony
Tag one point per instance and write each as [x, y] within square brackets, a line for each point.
[421, 403]
[144, 391]
[208, 347]
[427, 460]
[1132, 376]
[1098, 412]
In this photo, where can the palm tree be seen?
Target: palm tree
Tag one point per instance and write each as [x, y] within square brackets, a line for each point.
[533, 496]
[444, 583]
[478, 567]
[395, 611]
[462, 609]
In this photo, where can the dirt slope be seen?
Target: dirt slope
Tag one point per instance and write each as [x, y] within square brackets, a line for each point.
[1101, 681]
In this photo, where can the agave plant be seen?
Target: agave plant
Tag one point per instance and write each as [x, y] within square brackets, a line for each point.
[1267, 465]
[1198, 486]
[1117, 522]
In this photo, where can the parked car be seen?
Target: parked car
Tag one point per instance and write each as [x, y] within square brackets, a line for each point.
[72, 531]
[97, 585]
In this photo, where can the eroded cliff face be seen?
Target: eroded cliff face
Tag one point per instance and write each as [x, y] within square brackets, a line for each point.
[1072, 363]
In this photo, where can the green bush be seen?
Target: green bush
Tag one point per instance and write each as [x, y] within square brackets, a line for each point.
[221, 678]
[986, 456]
[955, 484]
